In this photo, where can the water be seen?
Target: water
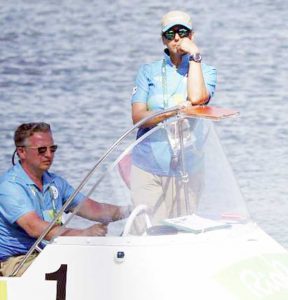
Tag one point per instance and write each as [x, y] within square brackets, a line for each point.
[72, 64]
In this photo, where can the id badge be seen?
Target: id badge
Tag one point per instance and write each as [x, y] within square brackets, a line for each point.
[49, 215]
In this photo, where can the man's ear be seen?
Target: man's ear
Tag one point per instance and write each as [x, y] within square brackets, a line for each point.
[21, 152]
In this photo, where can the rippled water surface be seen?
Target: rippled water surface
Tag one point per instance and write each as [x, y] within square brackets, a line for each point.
[72, 64]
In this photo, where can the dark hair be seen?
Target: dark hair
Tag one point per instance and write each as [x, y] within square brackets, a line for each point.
[26, 130]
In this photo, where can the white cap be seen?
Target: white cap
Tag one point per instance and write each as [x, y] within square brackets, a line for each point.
[176, 17]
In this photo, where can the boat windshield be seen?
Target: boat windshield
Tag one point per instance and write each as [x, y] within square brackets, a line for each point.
[169, 178]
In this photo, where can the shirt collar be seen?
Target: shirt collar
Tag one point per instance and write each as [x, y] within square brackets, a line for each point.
[47, 180]
[23, 176]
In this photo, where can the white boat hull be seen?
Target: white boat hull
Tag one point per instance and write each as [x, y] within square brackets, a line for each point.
[239, 263]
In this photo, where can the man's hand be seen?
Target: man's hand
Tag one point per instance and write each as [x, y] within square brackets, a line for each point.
[187, 45]
[121, 212]
[95, 230]
[102, 212]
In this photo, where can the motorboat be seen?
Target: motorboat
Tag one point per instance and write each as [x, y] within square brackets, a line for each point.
[203, 245]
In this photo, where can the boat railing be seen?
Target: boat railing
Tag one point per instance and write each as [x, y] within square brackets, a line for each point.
[36, 245]
[200, 111]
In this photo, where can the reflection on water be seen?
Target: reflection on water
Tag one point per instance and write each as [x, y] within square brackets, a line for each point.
[73, 64]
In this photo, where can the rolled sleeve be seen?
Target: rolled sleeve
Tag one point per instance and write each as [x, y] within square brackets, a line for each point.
[141, 88]
[14, 201]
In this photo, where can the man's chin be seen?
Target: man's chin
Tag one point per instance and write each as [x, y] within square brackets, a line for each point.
[45, 167]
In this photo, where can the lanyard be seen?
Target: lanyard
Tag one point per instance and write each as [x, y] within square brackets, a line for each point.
[53, 201]
[172, 133]
[165, 85]
[41, 200]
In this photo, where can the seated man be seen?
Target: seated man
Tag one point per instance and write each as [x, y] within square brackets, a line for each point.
[30, 197]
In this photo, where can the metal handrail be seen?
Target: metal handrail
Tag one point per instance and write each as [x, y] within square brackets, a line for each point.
[35, 246]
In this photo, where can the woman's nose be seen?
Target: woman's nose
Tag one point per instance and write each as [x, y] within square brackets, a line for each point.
[177, 36]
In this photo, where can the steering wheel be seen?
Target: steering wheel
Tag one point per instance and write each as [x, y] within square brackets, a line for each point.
[135, 212]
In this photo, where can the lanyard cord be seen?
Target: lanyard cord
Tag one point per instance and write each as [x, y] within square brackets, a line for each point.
[53, 201]
[41, 200]
[164, 84]
[174, 157]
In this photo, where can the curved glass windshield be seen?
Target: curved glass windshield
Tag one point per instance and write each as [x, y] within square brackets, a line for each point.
[174, 177]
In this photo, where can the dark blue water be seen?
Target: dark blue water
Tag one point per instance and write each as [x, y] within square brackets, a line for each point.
[72, 64]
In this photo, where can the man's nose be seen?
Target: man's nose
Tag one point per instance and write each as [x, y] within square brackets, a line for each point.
[49, 152]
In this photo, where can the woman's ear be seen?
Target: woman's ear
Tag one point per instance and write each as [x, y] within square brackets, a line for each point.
[192, 36]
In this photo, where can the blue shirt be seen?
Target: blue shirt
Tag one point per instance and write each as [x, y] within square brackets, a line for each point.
[18, 196]
[154, 153]
[149, 89]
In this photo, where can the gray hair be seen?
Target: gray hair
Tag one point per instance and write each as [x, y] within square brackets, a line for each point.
[28, 129]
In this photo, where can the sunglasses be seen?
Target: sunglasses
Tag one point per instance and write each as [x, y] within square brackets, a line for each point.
[43, 149]
[182, 32]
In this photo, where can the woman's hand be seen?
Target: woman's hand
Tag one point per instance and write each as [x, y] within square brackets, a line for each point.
[187, 45]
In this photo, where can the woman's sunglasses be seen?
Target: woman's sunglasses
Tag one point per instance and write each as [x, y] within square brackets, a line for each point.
[182, 32]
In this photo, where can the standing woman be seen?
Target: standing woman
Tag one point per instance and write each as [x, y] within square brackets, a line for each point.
[179, 77]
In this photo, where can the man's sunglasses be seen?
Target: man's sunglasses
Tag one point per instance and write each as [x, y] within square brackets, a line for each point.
[182, 32]
[43, 149]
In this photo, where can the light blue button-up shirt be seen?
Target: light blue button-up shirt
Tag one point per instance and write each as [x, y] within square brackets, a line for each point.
[149, 88]
[154, 153]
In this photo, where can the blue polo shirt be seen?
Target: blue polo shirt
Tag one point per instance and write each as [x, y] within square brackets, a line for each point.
[154, 153]
[149, 89]
[18, 196]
